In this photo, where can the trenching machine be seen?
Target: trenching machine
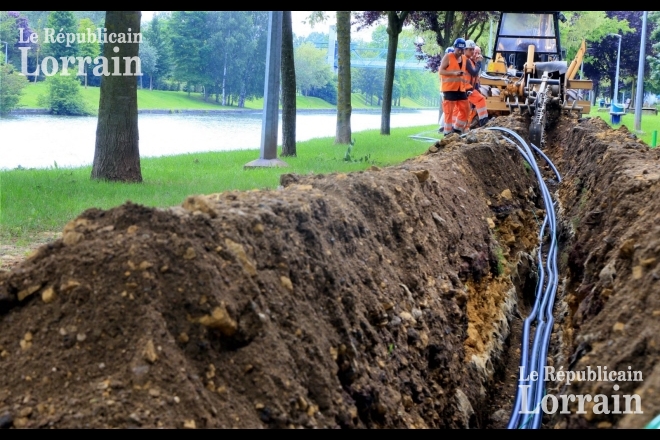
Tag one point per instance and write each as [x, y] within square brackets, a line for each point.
[527, 72]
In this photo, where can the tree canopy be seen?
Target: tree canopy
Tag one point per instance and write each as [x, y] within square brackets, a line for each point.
[600, 64]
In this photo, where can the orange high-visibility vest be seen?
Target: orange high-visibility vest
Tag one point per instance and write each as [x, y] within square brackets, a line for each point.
[470, 80]
[455, 83]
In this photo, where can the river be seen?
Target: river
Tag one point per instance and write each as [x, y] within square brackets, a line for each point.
[40, 141]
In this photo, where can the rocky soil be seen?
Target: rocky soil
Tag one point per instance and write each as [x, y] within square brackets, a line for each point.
[390, 298]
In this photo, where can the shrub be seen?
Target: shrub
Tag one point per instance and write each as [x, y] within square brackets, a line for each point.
[11, 86]
[63, 96]
[328, 92]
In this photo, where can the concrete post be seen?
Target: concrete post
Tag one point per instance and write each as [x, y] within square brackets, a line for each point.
[639, 99]
[270, 118]
[332, 48]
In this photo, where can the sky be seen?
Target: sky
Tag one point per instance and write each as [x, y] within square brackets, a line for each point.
[301, 29]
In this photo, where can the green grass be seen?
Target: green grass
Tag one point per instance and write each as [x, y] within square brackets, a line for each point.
[147, 99]
[302, 102]
[649, 123]
[38, 200]
[164, 100]
[358, 100]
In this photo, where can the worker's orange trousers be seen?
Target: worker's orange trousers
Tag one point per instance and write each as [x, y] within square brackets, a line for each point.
[479, 103]
[456, 115]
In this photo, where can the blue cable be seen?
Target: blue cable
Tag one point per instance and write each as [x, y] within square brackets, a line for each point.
[534, 360]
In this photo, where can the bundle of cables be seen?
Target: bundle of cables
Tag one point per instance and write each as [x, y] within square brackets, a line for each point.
[526, 412]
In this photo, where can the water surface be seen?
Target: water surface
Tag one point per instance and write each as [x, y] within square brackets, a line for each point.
[38, 141]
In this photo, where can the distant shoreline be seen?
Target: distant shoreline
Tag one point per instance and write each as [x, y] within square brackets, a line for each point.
[43, 111]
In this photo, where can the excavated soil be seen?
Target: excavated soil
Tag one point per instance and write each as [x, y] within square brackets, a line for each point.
[391, 298]
[610, 206]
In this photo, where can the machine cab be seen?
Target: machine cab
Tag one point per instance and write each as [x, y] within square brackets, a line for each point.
[518, 30]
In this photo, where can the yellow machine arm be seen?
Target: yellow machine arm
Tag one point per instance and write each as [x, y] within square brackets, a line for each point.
[573, 68]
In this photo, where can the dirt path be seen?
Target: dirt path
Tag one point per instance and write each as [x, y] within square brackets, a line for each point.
[12, 253]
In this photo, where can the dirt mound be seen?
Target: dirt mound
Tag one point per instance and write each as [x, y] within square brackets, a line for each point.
[610, 205]
[380, 299]
[374, 299]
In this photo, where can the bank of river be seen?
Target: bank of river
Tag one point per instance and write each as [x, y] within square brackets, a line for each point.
[40, 141]
[43, 111]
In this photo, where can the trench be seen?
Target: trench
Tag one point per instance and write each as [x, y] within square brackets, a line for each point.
[607, 297]
[389, 298]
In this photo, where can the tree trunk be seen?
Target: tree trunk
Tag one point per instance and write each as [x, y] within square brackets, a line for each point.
[35, 75]
[117, 154]
[246, 80]
[241, 98]
[394, 26]
[343, 135]
[288, 88]
[224, 73]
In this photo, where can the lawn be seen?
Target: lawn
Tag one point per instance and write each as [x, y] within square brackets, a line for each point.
[165, 100]
[38, 200]
[650, 123]
[359, 100]
[147, 99]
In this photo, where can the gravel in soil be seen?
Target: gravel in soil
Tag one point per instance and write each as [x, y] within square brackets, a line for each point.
[386, 298]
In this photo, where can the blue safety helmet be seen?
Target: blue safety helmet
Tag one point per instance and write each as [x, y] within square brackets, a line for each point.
[449, 50]
[459, 43]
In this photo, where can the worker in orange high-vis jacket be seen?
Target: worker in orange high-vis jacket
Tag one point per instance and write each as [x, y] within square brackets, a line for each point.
[472, 89]
[453, 69]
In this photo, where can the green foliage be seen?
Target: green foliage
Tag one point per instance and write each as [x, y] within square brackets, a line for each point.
[66, 23]
[501, 261]
[327, 93]
[317, 17]
[11, 86]
[414, 84]
[653, 60]
[149, 60]
[97, 18]
[8, 31]
[63, 96]
[157, 35]
[88, 48]
[349, 157]
[312, 70]
[187, 31]
[590, 25]
[370, 82]
[222, 51]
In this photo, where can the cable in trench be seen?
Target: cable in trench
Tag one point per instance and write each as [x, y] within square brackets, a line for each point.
[534, 352]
